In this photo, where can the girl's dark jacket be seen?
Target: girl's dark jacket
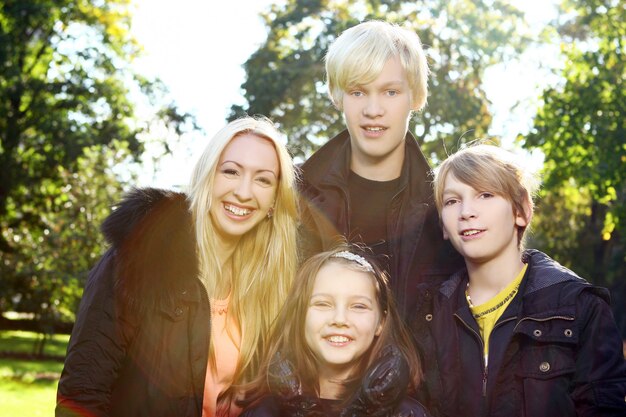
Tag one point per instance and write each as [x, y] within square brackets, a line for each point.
[140, 343]
[417, 250]
[555, 351]
[381, 393]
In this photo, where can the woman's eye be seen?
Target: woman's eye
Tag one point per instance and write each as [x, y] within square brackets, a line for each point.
[265, 181]
[230, 172]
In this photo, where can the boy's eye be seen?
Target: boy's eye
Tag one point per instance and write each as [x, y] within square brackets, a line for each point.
[486, 195]
[392, 93]
[356, 93]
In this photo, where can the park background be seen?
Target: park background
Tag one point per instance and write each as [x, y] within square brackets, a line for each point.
[98, 96]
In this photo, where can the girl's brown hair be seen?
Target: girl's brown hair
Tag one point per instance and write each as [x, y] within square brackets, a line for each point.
[288, 334]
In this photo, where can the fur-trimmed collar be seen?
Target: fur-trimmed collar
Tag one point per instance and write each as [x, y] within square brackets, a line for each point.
[152, 234]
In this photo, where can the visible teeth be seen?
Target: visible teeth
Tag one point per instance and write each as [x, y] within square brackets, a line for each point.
[470, 232]
[236, 210]
[375, 129]
[338, 339]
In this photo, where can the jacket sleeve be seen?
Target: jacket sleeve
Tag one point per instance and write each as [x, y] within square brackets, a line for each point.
[600, 379]
[97, 347]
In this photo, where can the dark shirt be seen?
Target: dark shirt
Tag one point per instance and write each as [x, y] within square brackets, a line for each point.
[369, 202]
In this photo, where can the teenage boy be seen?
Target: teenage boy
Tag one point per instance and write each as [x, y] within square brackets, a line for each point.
[514, 333]
[371, 183]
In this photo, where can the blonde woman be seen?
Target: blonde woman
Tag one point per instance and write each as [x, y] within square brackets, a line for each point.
[175, 313]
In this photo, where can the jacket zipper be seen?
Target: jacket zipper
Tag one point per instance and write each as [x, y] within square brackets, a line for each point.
[482, 345]
[482, 349]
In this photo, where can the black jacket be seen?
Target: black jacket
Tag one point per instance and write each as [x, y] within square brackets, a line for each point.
[140, 343]
[381, 393]
[418, 252]
[555, 351]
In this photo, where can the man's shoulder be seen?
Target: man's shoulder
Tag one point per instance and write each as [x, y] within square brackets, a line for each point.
[326, 155]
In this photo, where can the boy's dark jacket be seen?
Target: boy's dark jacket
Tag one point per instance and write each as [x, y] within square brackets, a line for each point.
[140, 344]
[418, 251]
[555, 351]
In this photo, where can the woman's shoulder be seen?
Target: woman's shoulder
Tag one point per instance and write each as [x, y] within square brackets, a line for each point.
[140, 206]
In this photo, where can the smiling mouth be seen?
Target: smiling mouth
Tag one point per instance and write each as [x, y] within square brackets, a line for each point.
[374, 128]
[238, 211]
[338, 339]
[470, 232]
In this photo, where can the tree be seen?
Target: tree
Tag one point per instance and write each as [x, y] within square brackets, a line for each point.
[285, 76]
[580, 128]
[65, 88]
[46, 276]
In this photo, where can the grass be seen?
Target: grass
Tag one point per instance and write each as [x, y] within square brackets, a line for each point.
[28, 387]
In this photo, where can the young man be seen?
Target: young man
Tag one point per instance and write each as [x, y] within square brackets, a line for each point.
[515, 333]
[371, 183]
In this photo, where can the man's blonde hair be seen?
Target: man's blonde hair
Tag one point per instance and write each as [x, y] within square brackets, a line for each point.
[359, 54]
[491, 168]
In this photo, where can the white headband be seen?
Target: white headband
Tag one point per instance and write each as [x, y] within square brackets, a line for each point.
[355, 258]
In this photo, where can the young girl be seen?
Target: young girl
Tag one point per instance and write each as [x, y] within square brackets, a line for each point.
[339, 347]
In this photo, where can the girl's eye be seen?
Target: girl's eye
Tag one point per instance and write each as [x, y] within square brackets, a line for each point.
[392, 93]
[356, 93]
[450, 201]
[360, 306]
[486, 195]
[320, 304]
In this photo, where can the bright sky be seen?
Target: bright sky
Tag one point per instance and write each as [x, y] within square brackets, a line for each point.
[197, 48]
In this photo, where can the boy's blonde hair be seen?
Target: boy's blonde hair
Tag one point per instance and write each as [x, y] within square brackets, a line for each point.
[491, 168]
[359, 54]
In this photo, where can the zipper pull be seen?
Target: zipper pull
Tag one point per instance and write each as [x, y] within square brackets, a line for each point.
[485, 381]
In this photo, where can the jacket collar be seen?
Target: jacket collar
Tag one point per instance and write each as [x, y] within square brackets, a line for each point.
[543, 273]
[330, 165]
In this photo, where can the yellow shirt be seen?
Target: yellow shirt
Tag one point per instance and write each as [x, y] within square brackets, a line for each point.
[488, 313]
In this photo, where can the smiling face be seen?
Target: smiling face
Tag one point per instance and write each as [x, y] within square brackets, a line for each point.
[377, 116]
[342, 319]
[481, 225]
[244, 187]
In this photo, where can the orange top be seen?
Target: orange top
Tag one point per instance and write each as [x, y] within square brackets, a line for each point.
[226, 341]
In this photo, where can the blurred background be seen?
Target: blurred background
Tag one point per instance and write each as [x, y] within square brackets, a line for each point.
[98, 96]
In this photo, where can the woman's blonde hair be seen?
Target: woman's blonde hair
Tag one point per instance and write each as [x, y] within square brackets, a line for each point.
[359, 54]
[491, 168]
[265, 260]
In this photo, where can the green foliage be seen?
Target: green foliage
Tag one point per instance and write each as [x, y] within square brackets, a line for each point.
[285, 76]
[65, 117]
[50, 269]
[581, 129]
